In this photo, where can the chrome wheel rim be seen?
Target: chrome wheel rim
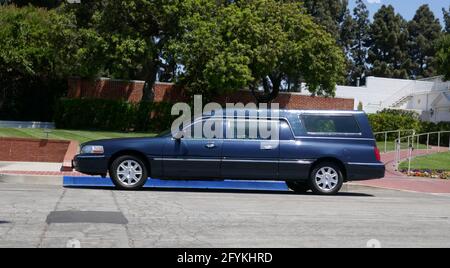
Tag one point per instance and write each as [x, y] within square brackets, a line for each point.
[129, 172]
[326, 179]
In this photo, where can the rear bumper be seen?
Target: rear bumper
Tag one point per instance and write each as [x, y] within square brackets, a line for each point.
[365, 171]
[91, 164]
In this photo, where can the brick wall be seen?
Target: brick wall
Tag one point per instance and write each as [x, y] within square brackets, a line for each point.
[292, 101]
[32, 150]
[133, 91]
[106, 89]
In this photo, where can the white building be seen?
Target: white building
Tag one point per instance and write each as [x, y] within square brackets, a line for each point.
[429, 97]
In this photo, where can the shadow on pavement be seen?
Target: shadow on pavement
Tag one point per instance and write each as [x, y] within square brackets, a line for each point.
[234, 191]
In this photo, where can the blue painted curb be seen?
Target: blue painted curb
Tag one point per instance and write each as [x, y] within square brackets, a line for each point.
[69, 181]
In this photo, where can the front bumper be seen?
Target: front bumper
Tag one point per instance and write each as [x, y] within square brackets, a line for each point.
[365, 171]
[90, 164]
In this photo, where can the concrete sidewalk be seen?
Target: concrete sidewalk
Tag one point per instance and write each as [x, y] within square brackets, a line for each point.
[33, 173]
[30, 166]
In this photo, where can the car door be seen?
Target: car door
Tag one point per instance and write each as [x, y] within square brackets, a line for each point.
[193, 156]
[247, 156]
[295, 161]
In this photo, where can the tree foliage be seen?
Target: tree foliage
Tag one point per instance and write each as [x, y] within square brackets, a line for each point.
[36, 3]
[358, 36]
[388, 52]
[424, 30]
[446, 19]
[443, 56]
[256, 44]
[210, 46]
[328, 13]
[38, 50]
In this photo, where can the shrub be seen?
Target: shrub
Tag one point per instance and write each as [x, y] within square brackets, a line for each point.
[427, 127]
[394, 120]
[398, 119]
[113, 115]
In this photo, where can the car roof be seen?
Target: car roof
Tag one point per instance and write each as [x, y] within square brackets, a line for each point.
[281, 112]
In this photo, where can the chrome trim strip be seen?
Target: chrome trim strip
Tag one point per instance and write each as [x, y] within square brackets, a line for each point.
[326, 134]
[301, 161]
[334, 138]
[187, 159]
[90, 156]
[365, 164]
[250, 161]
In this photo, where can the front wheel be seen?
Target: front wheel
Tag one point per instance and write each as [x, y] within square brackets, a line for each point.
[326, 179]
[128, 172]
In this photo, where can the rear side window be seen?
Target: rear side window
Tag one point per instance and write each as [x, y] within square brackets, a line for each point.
[329, 124]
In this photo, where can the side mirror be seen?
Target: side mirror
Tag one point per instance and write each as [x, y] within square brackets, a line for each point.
[179, 135]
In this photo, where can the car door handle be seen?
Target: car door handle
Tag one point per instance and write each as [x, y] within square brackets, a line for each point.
[267, 147]
[210, 146]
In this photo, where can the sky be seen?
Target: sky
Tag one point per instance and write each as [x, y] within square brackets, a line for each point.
[407, 8]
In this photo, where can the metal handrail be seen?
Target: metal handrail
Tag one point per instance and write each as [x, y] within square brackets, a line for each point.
[416, 138]
[399, 131]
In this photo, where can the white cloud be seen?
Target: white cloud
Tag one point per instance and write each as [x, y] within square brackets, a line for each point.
[374, 1]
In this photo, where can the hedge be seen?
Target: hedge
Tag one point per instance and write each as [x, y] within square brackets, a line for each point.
[394, 120]
[398, 119]
[112, 115]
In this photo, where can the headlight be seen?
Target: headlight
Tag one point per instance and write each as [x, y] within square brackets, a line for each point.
[92, 149]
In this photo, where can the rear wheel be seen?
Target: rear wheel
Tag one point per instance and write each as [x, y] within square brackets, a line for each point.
[326, 179]
[298, 186]
[128, 172]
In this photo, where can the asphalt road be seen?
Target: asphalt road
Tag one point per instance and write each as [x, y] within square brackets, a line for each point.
[51, 216]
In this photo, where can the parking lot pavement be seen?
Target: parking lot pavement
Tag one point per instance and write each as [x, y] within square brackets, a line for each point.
[51, 216]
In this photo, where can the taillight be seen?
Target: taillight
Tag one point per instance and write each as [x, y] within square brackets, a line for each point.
[377, 154]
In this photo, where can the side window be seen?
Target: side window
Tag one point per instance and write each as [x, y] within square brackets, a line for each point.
[258, 130]
[331, 124]
[285, 131]
[205, 129]
[242, 129]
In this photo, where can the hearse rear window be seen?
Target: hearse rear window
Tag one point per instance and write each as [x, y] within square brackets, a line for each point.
[329, 124]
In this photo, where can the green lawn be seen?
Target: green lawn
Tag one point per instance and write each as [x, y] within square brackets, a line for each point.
[391, 146]
[439, 161]
[63, 134]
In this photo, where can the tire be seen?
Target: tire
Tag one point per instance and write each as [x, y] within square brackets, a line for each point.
[128, 172]
[298, 187]
[326, 179]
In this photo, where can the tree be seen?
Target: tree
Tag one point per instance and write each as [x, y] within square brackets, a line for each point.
[38, 50]
[260, 44]
[134, 34]
[328, 13]
[359, 43]
[388, 52]
[424, 30]
[447, 19]
[347, 38]
[37, 3]
[443, 56]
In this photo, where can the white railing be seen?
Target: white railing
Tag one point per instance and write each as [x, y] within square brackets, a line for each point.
[26, 124]
[398, 95]
[399, 135]
[413, 142]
